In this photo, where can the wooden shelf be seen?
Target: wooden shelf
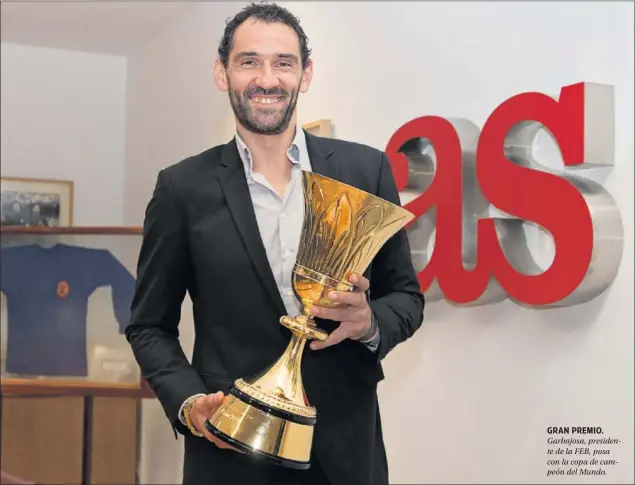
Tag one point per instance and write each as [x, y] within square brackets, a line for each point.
[54, 387]
[323, 128]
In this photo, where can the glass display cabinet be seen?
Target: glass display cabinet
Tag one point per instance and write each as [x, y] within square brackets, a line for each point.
[67, 372]
[66, 296]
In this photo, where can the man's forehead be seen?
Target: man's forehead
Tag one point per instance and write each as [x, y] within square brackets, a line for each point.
[265, 36]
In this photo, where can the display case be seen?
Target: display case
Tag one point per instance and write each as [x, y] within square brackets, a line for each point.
[66, 297]
[71, 387]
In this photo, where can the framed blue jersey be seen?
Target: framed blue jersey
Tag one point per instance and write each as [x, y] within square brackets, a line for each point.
[47, 291]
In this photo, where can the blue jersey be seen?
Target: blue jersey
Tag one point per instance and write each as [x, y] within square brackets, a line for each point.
[47, 291]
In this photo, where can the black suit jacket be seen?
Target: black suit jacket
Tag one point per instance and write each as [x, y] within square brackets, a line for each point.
[201, 237]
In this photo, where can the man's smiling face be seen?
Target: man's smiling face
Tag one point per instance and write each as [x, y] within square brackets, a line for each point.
[264, 76]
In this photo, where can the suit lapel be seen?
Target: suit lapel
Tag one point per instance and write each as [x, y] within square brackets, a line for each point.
[320, 154]
[234, 184]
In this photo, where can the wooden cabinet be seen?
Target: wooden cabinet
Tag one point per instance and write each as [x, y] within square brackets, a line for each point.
[114, 443]
[43, 438]
[75, 440]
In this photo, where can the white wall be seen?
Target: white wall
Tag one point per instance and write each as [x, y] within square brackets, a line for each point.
[174, 109]
[469, 398]
[63, 117]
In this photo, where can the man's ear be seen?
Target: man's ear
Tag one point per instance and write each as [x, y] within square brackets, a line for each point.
[220, 75]
[307, 75]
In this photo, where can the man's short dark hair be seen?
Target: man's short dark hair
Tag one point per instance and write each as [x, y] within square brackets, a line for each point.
[268, 13]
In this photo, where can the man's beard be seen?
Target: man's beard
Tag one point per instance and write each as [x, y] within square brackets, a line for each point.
[263, 121]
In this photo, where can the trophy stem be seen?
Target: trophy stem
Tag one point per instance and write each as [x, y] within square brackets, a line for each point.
[284, 379]
[304, 325]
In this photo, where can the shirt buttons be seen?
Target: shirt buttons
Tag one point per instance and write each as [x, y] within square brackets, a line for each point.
[290, 292]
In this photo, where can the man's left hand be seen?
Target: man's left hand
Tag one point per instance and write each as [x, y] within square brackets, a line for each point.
[354, 315]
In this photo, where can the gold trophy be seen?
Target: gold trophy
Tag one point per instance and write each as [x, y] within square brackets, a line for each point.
[269, 415]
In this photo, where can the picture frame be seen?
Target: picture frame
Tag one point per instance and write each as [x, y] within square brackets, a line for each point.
[323, 128]
[36, 202]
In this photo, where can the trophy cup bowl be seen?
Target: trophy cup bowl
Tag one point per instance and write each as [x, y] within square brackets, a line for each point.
[269, 415]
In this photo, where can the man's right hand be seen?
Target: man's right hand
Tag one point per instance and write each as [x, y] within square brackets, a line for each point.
[204, 408]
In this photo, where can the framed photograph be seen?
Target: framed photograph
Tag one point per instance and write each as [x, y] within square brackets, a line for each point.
[323, 128]
[33, 202]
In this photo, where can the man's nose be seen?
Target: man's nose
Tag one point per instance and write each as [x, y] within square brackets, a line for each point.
[267, 78]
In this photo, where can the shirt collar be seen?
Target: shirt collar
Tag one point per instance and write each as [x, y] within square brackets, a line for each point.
[297, 152]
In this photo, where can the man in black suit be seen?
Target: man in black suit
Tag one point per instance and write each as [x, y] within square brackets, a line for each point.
[224, 226]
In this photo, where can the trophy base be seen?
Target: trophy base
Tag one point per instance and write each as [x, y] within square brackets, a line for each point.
[263, 431]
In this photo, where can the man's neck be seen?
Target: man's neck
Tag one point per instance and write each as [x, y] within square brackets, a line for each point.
[267, 150]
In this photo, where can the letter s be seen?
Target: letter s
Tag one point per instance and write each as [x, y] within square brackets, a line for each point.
[588, 242]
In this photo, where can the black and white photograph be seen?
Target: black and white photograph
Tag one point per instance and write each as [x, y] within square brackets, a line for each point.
[30, 209]
[36, 202]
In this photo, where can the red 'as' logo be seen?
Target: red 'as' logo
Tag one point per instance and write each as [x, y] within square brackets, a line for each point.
[549, 200]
